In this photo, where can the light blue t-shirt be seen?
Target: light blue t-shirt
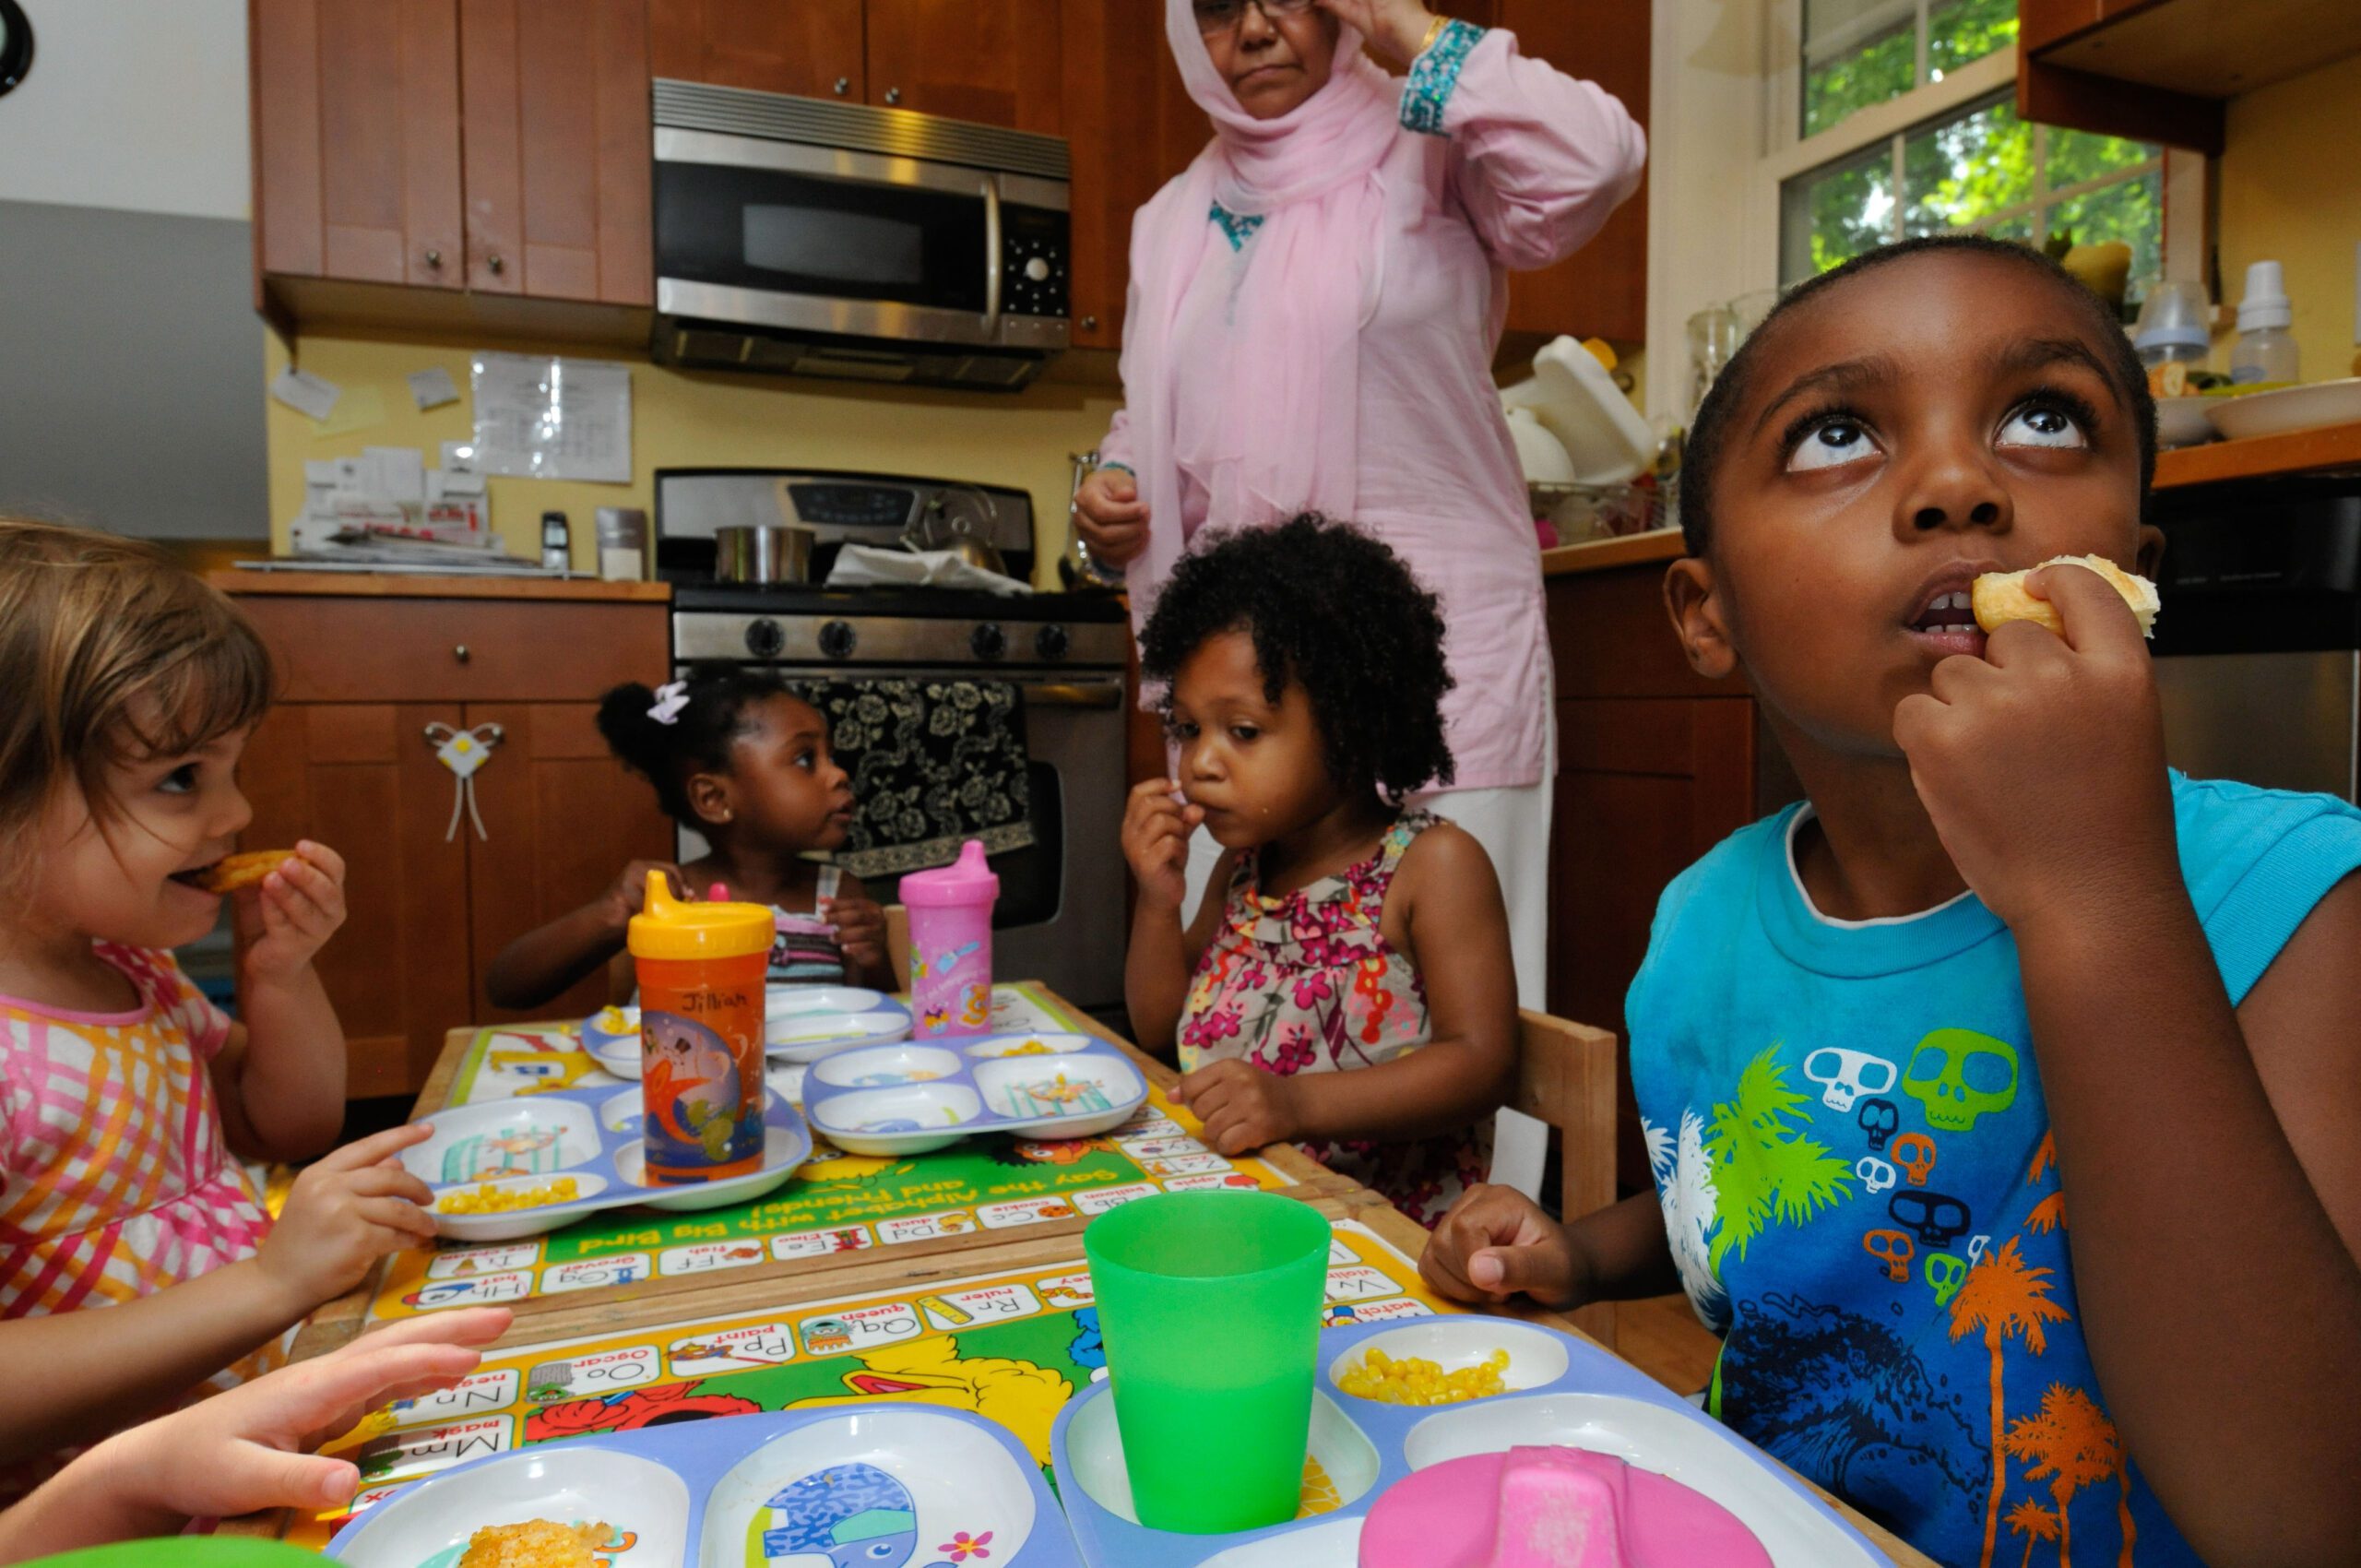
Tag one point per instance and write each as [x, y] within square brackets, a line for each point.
[1853, 1152]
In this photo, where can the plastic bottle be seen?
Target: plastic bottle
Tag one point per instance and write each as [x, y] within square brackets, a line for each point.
[2265, 352]
[701, 1000]
[951, 945]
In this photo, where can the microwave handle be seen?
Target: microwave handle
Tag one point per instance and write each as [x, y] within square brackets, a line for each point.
[992, 269]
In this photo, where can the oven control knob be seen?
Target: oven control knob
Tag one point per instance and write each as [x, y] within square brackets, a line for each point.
[837, 640]
[1051, 642]
[764, 639]
[988, 642]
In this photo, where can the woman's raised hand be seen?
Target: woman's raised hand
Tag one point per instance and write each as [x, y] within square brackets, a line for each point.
[1397, 27]
[1111, 516]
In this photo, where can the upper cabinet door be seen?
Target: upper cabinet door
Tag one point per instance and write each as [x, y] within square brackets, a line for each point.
[1602, 291]
[996, 62]
[810, 48]
[356, 126]
[554, 94]
[1132, 126]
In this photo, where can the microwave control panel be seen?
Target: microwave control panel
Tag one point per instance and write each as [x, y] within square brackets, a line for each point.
[1036, 250]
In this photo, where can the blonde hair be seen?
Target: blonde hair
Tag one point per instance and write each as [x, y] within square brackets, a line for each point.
[110, 652]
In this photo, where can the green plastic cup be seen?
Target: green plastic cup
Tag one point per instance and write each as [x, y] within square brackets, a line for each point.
[1209, 1305]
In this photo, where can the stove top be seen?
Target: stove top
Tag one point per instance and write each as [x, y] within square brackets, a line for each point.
[906, 604]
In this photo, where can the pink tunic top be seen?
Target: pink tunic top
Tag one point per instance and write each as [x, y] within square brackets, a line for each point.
[116, 1181]
[1528, 165]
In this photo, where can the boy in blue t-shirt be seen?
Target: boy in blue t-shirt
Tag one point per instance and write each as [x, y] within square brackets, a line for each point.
[2004, 1099]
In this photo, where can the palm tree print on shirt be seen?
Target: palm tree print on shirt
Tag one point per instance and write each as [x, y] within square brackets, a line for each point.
[2005, 1297]
[2072, 1444]
[1684, 1176]
[1763, 1166]
[2033, 1521]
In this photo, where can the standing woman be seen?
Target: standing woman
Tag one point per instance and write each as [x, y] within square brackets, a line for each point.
[1314, 307]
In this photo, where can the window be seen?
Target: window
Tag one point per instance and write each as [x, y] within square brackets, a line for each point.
[1905, 124]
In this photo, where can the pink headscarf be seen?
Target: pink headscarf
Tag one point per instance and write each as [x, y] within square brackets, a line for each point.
[1287, 432]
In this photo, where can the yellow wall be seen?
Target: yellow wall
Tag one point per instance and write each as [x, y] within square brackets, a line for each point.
[682, 419]
[2291, 192]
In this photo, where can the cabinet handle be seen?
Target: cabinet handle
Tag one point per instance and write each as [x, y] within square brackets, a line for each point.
[460, 653]
[1090, 324]
[434, 257]
[844, 85]
[496, 264]
[892, 95]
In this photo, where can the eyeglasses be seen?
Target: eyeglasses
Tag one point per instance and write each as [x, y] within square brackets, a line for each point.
[1216, 16]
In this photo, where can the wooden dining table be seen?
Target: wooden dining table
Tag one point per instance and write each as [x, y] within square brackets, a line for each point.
[906, 1281]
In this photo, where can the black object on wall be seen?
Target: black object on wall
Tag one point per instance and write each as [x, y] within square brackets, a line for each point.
[16, 45]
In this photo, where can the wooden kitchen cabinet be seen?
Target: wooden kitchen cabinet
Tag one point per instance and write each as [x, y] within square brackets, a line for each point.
[356, 139]
[995, 61]
[366, 668]
[555, 102]
[809, 48]
[1655, 766]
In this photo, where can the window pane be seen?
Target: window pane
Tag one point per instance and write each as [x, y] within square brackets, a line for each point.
[2076, 156]
[2132, 212]
[1961, 30]
[1835, 213]
[1856, 53]
[1961, 171]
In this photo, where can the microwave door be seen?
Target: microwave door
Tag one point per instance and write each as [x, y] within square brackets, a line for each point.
[783, 236]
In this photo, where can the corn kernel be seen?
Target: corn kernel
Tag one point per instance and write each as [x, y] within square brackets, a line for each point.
[489, 1199]
[1417, 1381]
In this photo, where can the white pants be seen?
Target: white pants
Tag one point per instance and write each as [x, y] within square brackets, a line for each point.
[1513, 828]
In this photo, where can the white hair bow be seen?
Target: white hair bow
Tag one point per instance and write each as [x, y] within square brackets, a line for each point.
[669, 700]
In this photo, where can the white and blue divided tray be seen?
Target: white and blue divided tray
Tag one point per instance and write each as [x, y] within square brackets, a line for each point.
[592, 1136]
[1560, 1393]
[926, 1094]
[800, 1023]
[878, 1483]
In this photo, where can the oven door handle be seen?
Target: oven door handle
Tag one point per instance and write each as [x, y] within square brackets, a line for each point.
[993, 279]
[1094, 694]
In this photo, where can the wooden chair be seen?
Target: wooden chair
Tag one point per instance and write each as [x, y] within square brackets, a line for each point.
[1565, 1076]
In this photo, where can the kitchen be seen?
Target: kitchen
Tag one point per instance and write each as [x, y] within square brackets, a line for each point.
[400, 201]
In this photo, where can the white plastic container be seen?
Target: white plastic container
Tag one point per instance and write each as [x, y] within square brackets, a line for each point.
[2265, 352]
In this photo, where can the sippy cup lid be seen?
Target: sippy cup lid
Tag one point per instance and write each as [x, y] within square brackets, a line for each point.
[966, 881]
[667, 927]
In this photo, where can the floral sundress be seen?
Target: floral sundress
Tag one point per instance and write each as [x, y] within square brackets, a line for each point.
[1308, 984]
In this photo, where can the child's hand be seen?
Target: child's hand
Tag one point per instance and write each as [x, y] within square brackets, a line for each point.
[2042, 763]
[629, 894]
[347, 1210]
[250, 1448]
[296, 908]
[861, 931]
[1242, 1107]
[1155, 841]
[1496, 1242]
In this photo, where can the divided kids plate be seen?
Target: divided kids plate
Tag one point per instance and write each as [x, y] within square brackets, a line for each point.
[1561, 1392]
[591, 1135]
[884, 1484]
[801, 1022]
[922, 1095]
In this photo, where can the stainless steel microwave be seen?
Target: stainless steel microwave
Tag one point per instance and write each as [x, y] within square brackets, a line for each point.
[806, 236]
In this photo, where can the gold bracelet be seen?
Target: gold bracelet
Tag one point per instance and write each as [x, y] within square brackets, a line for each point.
[1434, 32]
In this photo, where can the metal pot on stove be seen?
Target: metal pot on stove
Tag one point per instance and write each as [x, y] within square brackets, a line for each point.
[766, 554]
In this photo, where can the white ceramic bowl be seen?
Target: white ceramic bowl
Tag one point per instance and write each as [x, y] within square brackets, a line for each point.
[2287, 408]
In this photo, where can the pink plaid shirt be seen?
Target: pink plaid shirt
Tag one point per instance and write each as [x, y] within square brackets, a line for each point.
[116, 1181]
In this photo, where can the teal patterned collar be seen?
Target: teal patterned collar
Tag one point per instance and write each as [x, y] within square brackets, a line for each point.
[1237, 228]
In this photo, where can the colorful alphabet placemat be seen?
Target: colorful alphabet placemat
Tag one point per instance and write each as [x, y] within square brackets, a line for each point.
[837, 1204]
[1012, 1347]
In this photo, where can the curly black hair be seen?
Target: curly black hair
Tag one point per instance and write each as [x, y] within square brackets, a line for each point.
[1334, 609]
[1708, 432]
[699, 737]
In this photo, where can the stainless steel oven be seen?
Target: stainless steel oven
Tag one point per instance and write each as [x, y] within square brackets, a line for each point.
[1060, 917]
[809, 236]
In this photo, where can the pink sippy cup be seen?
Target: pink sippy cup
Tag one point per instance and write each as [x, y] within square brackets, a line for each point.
[951, 945]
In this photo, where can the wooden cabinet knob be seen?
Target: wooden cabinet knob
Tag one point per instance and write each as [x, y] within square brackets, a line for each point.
[892, 95]
[1090, 324]
[496, 264]
[434, 257]
[460, 653]
[844, 85]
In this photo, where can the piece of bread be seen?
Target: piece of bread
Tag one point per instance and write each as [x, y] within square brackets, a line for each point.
[244, 869]
[2000, 597]
[536, 1543]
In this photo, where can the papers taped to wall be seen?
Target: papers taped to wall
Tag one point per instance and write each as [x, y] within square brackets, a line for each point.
[545, 416]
